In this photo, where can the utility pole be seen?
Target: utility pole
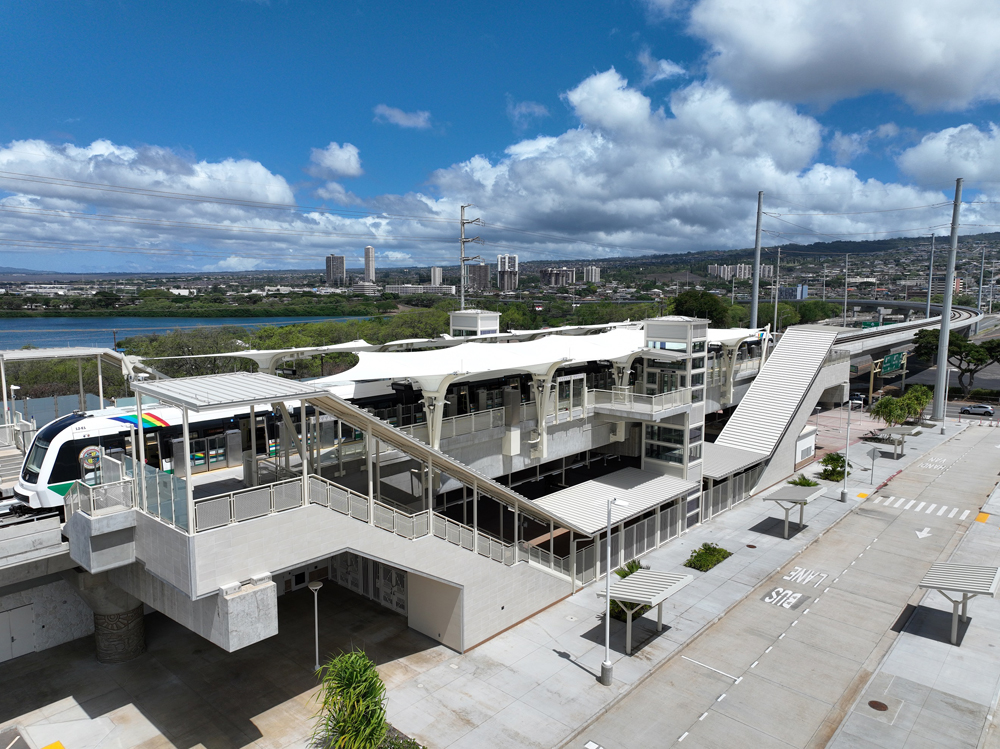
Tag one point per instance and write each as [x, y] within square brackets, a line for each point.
[846, 263]
[462, 258]
[824, 282]
[982, 272]
[733, 301]
[941, 383]
[756, 262]
[993, 284]
[930, 278]
[777, 290]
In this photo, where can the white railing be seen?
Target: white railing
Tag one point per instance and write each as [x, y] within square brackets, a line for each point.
[543, 558]
[468, 538]
[246, 504]
[101, 499]
[351, 503]
[627, 400]
[456, 426]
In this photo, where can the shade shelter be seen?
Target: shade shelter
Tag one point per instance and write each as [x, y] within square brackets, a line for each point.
[968, 580]
[897, 436]
[645, 588]
[787, 497]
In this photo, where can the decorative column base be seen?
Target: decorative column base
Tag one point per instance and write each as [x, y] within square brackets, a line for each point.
[120, 637]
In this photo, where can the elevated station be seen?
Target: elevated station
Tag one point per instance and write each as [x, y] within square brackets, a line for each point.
[460, 482]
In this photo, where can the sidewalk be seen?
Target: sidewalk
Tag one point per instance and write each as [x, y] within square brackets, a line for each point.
[938, 695]
[536, 684]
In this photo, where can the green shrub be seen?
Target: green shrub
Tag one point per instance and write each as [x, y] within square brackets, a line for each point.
[833, 467]
[617, 612]
[706, 557]
[352, 704]
[801, 480]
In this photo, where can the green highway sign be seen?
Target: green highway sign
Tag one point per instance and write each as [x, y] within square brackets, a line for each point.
[869, 325]
[892, 363]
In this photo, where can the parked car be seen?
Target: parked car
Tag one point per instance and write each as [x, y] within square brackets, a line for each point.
[978, 409]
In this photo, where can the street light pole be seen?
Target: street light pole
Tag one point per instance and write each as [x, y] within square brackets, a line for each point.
[847, 444]
[314, 586]
[930, 278]
[607, 668]
[846, 261]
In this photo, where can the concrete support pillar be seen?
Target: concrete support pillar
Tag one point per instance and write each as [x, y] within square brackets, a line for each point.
[119, 627]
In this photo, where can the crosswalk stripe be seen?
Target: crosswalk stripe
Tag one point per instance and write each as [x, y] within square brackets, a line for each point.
[900, 502]
[942, 510]
[965, 514]
[878, 499]
[930, 509]
[909, 504]
[952, 513]
[918, 508]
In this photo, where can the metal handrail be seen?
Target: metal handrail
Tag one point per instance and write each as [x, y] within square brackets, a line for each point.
[627, 399]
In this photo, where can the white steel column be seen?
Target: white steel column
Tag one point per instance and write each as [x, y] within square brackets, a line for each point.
[186, 433]
[100, 382]
[253, 448]
[79, 374]
[140, 469]
[303, 451]
[572, 563]
[3, 384]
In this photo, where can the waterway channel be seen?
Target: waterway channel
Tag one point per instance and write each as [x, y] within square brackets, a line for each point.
[101, 331]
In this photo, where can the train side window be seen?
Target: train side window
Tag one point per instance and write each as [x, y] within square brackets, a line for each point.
[67, 465]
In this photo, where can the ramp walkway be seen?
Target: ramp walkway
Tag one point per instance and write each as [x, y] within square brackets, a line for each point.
[776, 394]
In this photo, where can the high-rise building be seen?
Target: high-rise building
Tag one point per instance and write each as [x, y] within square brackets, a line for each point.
[336, 270]
[591, 274]
[507, 274]
[436, 277]
[558, 276]
[477, 277]
[369, 264]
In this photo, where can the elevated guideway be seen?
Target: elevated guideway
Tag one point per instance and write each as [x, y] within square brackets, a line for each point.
[862, 342]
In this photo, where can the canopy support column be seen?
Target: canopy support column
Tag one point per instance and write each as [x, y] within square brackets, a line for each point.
[140, 469]
[100, 382]
[189, 488]
[251, 480]
[3, 383]
[79, 375]
[303, 454]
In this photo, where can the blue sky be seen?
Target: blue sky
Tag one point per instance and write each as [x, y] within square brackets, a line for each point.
[603, 128]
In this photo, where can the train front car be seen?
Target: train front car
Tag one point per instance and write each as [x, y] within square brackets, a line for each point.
[36, 489]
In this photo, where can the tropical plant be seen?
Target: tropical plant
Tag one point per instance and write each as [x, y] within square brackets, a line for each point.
[802, 480]
[834, 465]
[352, 704]
[706, 557]
[967, 357]
[893, 411]
[917, 398]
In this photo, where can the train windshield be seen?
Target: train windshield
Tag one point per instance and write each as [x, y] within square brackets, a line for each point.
[39, 448]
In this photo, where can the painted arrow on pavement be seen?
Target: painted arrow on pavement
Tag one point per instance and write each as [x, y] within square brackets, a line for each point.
[924, 533]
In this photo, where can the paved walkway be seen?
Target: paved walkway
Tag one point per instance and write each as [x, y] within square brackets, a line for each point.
[536, 684]
[785, 666]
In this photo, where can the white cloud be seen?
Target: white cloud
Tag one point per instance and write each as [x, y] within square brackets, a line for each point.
[523, 113]
[338, 194]
[848, 146]
[654, 70]
[964, 151]
[336, 161]
[932, 53]
[233, 263]
[420, 120]
[396, 257]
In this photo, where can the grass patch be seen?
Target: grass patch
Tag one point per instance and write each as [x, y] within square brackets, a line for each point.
[802, 480]
[706, 557]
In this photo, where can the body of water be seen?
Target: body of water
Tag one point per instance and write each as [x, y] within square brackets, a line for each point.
[45, 332]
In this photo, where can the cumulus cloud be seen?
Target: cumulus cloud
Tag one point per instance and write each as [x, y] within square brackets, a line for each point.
[335, 161]
[523, 113]
[965, 151]
[932, 53]
[628, 177]
[654, 70]
[848, 146]
[234, 263]
[420, 120]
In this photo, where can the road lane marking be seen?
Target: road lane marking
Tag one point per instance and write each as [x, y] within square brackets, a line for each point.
[909, 504]
[965, 514]
[941, 511]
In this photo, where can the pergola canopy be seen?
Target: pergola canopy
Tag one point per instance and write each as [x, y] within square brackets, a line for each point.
[229, 390]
